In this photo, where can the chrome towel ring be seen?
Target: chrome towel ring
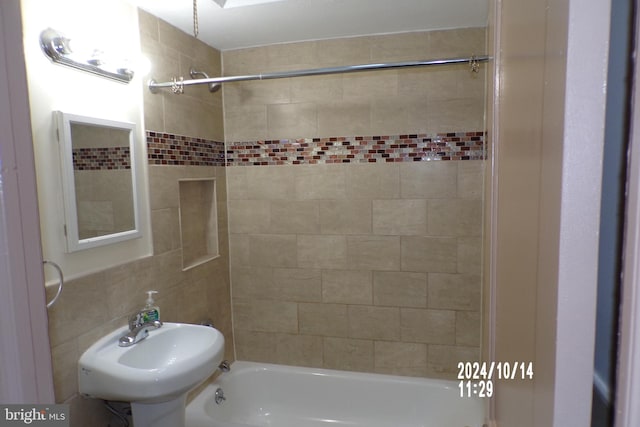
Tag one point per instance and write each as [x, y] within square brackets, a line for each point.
[60, 284]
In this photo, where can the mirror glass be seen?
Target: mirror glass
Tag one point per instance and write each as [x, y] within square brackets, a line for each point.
[98, 177]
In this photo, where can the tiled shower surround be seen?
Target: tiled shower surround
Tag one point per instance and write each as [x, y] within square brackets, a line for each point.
[367, 267]
[350, 248]
[359, 263]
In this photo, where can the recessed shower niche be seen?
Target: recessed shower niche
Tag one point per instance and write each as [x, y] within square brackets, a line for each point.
[198, 221]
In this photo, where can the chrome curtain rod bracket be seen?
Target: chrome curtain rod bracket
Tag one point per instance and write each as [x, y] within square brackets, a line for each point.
[177, 84]
[213, 87]
[474, 64]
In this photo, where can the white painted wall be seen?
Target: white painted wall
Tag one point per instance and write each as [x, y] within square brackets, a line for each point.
[111, 25]
[584, 122]
[628, 385]
[25, 360]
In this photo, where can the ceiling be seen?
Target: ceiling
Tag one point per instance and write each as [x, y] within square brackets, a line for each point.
[247, 23]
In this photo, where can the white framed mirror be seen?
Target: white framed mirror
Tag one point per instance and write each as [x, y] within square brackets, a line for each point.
[99, 183]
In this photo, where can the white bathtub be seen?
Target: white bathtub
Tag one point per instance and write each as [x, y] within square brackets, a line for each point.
[286, 396]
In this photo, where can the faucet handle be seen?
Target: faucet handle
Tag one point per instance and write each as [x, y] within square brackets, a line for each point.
[134, 320]
[143, 317]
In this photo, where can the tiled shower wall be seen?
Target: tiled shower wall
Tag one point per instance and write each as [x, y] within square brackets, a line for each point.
[352, 247]
[445, 98]
[193, 124]
[357, 267]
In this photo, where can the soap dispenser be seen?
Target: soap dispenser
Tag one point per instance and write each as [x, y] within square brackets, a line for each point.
[151, 311]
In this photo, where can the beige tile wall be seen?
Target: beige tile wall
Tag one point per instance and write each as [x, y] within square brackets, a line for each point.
[205, 289]
[390, 102]
[197, 112]
[96, 304]
[386, 282]
[368, 267]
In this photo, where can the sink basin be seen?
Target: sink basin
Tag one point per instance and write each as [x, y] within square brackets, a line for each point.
[164, 366]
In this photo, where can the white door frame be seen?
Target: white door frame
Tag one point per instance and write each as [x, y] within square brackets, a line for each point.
[25, 353]
[628, 386]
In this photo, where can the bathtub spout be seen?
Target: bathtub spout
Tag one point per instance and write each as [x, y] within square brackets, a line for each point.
[219, 396]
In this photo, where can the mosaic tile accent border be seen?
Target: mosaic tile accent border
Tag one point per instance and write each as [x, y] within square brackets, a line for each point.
[169, 149]
[359, 149]
[103, 158]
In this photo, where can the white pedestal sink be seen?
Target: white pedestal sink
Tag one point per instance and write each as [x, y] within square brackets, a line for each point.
[155, 374]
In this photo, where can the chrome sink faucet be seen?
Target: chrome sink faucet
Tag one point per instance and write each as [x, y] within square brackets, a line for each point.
[140, 324]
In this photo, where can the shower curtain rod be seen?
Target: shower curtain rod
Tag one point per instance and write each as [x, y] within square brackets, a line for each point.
[177, 84]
